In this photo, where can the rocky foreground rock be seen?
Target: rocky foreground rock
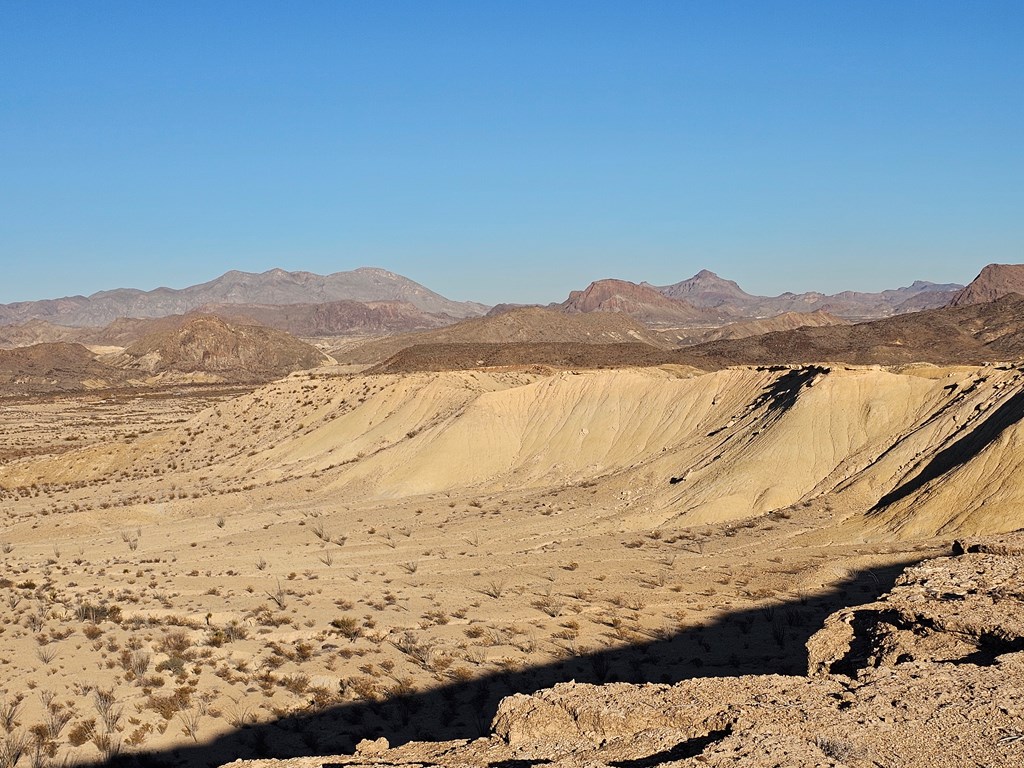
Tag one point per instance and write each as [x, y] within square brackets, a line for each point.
[932, 674]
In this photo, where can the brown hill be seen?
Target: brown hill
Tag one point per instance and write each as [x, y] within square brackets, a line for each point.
[517, 326]
[211, 345]
[52, 367]
[787, 321]
[642, 302]
[953, 335]
[333, 318]
[994, 281]
[327, 319]
[37, 332]
[501, 309]
[127, 330]
[706, 289]
[453, 357]
[119, 333]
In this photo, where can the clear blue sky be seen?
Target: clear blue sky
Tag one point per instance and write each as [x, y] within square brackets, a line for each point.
[510, 151]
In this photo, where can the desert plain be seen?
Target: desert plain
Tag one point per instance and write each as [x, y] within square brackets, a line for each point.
[199, 570]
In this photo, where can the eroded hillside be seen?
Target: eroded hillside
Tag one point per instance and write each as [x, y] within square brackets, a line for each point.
[893, 451]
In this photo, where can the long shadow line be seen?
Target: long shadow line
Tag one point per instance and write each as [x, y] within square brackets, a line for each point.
[753, 641]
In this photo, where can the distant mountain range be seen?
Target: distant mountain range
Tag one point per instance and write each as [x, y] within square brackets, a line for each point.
[707, 300]
[274, 287]
[709, 291]
[705, 322]
[375, 302]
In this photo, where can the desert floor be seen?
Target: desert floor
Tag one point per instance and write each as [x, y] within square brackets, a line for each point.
[166, 593]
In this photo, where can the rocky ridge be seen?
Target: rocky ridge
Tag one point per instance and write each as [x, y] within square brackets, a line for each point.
[333, 318]
[994, 282]
[708, 290]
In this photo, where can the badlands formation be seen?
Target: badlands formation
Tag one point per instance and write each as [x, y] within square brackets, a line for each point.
[523, 562]
[330, 559]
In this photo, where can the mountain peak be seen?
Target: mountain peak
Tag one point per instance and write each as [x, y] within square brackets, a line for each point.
[993, 282]
[706, 289]
[641, 300]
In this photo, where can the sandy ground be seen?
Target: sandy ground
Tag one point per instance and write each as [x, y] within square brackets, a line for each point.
[282, 571]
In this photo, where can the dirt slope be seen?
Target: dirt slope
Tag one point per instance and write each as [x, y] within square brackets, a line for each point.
[343, 557]
[918, 453]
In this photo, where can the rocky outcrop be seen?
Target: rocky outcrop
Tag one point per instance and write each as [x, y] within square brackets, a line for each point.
[993, 282]
[706, 289]
[964, 609]
[642, 302]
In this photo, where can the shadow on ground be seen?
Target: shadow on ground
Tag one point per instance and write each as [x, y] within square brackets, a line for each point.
[760, 641]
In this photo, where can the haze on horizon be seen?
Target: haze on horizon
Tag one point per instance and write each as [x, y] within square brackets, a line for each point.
[510, 153]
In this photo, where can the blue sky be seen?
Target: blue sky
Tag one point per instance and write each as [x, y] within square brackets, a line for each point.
[510, 151]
